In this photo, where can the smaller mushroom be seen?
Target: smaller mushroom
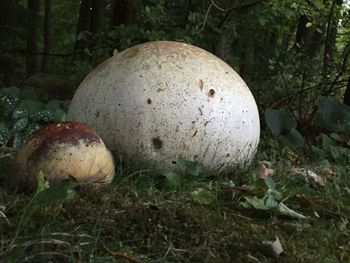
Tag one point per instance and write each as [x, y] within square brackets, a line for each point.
[61, 151]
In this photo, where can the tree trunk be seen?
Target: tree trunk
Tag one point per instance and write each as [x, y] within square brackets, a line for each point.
[307, 39]
[123, 12]
[346, 100]
[83, 25]
[33, 24]
[331, 35]
[98, 8]
[47, 37]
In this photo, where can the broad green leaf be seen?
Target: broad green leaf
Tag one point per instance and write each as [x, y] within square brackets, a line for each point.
[270, 202]
[54, 105]
[332, 115]
[255, 202]
[190, 167]
[20, 124]
[318, 153]
[32, 106]
[43, 115]
[7, 104]
[339, 152]
[173, 180]
[60, 115]
[279, 121]
[337, 137]
[19, 113]
[269, 182]
[18, 140]
[274, 194]
[12, 91]
[32, 127]
[41, 186]
[292, 138]
[203, 196]
[55, 194]
[284, 210]
[30, 93]
[327, 142]
[4, 133]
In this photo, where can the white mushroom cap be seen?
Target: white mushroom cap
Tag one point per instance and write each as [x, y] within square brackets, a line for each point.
[167, 100]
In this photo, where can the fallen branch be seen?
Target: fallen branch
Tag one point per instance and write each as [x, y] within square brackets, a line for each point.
[121, 255]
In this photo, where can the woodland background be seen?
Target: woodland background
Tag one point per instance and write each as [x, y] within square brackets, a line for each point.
[289, 52]
[293, 54]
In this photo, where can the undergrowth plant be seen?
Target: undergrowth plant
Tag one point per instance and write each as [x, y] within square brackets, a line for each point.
[333, 120]
[24, 110]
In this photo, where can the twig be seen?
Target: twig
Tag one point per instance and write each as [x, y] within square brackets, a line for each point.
[327, 40]
[218, 7]
[121, 255]
[206, 18]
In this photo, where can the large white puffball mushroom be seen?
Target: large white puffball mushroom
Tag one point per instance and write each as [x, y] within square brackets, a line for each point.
[62, 150]
[162, 101]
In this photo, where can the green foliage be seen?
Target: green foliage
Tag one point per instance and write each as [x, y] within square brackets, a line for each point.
[54, 194]
[172, 180]
[283, 127]
[190, 167]
[24, 112]
[203, 196]
[333, 115]
[272, 199]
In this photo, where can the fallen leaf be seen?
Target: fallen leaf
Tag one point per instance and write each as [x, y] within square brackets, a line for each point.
[303, 201]
[284, 210]
[310, 174]
[264, 171]
[272, 249]
[257, 228]
[328, 172]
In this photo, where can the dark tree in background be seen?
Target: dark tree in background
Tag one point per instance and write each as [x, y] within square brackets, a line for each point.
[47, 37]
[98, 11]
[91, 22]
[123, 12]
[83, 26]
[32, 36]
[289, 52]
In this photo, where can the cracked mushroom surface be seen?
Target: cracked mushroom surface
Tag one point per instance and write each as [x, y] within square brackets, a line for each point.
[60, 151]
[165, 100]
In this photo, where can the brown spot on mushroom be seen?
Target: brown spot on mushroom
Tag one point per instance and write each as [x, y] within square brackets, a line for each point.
[201, 84]
[131, 52]
[195, 133]
[149, 101]
[211, 93]
[157, 143]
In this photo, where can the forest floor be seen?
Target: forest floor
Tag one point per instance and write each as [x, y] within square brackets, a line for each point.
[202, 219]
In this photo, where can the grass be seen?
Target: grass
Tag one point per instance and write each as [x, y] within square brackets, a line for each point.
[136, 219]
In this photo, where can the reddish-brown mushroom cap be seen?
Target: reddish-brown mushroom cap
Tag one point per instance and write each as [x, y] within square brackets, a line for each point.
[62, 150]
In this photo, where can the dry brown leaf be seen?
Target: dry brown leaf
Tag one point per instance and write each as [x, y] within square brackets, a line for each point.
[328, 172]
[264, 171]
[310, 174]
